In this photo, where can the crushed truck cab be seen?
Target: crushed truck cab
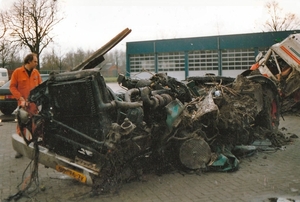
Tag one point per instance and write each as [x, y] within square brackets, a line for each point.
[281, 63]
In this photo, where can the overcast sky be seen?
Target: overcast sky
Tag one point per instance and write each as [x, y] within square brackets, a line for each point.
[89, 24]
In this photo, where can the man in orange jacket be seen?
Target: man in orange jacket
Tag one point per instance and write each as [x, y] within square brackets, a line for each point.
[23, 80]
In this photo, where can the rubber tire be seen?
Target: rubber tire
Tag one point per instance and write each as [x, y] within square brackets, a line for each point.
[266, 119]
[270, 96]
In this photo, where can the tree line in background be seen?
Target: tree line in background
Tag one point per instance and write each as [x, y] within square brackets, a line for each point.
[114, 61]
[50, 61]
[28, 24]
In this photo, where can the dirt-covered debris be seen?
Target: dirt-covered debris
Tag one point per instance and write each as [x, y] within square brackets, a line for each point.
[156, 126]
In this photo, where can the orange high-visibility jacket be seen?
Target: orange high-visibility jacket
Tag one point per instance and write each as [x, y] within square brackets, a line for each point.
[21, 84]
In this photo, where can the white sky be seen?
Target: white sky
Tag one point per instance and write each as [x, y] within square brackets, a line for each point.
[89, 24]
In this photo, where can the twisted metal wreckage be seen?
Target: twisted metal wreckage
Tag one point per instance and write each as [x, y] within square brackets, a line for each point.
[103, 138]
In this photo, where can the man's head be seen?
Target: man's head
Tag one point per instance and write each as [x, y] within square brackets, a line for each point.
[31, 61]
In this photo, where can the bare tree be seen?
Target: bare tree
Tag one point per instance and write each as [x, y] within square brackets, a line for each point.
[74, 58]
[7, 52]
[279, 21]
[51, 62]
[118, 59]
[2, 26]
[30, 22]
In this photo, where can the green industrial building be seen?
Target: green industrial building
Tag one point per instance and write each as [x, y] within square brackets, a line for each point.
[223, 55]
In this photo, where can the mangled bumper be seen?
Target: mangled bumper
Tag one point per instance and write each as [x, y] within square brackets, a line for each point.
[52, 160]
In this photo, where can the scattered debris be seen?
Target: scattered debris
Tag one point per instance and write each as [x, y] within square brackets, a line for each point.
[158, 126]
[98, 137]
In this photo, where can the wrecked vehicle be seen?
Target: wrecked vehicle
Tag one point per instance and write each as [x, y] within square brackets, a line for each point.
[103, 138]
[281, 63]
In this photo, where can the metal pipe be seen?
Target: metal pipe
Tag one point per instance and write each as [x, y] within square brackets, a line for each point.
[145, 92]
[77, 132]
[129, 93]
[128, 105]
[275, 58]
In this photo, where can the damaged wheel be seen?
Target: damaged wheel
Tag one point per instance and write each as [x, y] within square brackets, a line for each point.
[194, 153]
[269, 116]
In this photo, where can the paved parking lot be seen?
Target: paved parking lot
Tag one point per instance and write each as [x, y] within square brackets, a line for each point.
[261, 177]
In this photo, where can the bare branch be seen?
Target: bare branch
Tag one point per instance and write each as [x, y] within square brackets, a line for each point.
[2, 26]
[277, 20]
[30, 23]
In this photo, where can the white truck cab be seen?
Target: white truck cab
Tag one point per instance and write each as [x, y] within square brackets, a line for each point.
[281, 63]
[3, 76]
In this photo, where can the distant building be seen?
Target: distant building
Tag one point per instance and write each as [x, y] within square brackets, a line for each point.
[223, 55]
